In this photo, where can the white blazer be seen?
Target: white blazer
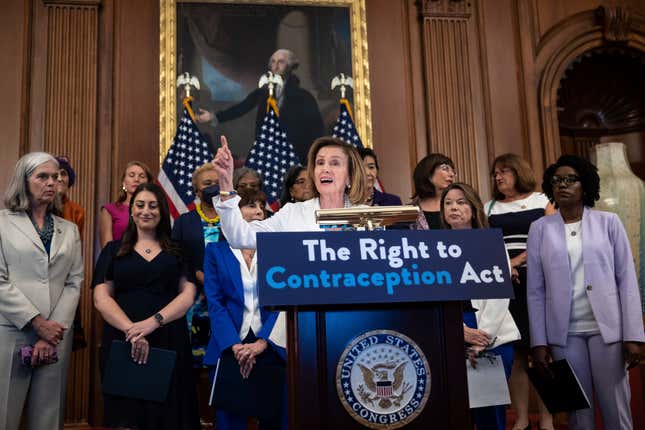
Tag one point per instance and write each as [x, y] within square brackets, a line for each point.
[240, 234]
[31, 282]
[495, 319]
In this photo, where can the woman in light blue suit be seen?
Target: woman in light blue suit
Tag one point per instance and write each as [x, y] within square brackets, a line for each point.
[582, 295]
[239, 326]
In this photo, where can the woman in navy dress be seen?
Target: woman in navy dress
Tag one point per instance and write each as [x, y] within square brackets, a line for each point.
[142, 290]
[514, 207]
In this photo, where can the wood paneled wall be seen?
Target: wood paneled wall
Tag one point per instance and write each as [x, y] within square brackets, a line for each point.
[80, 77]
[453, 75]
[70, 129]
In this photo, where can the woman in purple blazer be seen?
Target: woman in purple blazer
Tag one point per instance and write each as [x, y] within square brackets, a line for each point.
[583, 298]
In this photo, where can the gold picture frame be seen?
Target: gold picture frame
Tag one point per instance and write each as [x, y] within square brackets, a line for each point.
[168, 72]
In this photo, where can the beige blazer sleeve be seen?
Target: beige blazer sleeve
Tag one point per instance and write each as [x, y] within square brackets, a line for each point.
[33, 282]
[65, 300]
[15, 307]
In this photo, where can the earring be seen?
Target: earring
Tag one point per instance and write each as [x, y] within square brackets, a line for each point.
[348, 186]
[293, 199]
[124, 189]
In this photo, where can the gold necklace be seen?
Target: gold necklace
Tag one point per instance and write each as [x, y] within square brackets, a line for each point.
[198, 208]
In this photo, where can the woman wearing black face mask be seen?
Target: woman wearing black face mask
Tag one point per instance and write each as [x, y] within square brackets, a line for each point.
[193, 231]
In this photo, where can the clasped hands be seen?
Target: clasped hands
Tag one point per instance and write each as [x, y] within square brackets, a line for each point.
[48, 330]
[246, 353]
[136, 335]
[50, 334]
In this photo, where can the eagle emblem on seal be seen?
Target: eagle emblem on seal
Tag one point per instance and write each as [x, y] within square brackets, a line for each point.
[383, 382]
[383, 379]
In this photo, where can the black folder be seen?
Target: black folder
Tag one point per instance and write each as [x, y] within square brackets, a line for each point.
[150, 381]
[260, 395]
[563, 392]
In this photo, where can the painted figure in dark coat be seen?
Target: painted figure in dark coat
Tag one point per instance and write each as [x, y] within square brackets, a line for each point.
[299, 112]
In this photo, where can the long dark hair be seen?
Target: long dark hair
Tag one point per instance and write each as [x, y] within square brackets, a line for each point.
[423, 187]
[130, 237]
[289, 181]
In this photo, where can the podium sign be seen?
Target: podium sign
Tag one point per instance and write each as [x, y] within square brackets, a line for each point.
[332, 268]
[375, 329]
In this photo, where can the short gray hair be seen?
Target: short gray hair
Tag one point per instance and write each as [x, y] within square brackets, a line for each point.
[243, 171]
[16, 197]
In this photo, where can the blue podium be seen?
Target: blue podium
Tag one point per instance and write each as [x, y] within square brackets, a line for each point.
[374, 322]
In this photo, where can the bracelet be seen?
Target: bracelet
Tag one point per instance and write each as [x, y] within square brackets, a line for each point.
[227, 193]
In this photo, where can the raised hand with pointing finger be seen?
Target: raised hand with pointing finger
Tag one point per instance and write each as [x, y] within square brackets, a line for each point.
[223, 164]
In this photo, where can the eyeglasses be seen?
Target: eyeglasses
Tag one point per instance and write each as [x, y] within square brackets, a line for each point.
[500, 172]
[567, 180]
[447, 168]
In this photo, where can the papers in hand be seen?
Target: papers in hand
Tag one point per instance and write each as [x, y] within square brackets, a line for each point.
[487, 384]
[563, 392]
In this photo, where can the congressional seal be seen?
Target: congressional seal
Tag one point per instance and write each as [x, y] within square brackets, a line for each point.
[383, 379]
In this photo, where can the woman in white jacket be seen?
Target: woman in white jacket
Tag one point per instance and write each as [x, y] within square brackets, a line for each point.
[488, 324]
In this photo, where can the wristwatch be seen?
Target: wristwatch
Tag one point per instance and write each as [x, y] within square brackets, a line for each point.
[159, 318]
[227, 193]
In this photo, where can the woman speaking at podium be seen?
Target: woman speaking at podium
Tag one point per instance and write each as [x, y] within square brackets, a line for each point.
[336, 171]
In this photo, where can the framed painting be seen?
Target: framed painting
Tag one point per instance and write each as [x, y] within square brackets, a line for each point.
[229, 45]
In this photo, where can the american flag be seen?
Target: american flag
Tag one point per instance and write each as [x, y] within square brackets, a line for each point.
[345, 128]
[271, 154]
[188, 151]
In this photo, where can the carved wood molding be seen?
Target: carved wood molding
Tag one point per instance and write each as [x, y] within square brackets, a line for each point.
[616, 22]
[72, 3]
[543, 66]
[454, 95]
[446, 8]
[70, 129]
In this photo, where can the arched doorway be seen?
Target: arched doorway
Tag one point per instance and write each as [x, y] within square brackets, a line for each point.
[601, 98]
[605, 29]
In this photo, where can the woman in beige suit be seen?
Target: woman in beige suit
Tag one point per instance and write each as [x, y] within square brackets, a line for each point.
[41, 271]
